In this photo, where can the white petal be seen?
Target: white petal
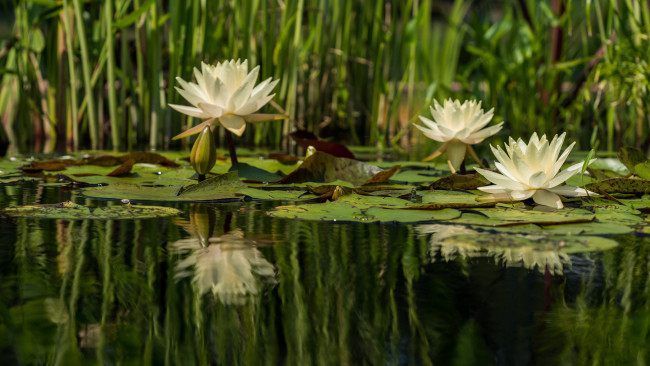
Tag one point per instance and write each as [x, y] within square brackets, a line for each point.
[456, 153]
[562, 176]
[432, 134]
[493, 189]
[233, 123]
[481, 135]
[502, 169]
[546, 198]
[522, 194]
[264, 88]
[190, 111]
[253, 105]
[501, 180]
[570, 191]
[211, 109]
[560, 161]
[241, 95]
[537, 180]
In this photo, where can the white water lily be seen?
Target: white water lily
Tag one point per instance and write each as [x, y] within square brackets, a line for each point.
[225, 94]
[459, 126]
[531, 170]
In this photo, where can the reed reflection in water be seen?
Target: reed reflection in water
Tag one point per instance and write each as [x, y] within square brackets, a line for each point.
[228, 285]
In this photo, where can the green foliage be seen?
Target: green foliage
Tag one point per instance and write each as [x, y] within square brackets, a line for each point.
[78, 74]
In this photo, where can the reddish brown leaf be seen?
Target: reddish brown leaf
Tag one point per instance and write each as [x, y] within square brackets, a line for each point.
[382, 176]
[305, 139]
[122, 170]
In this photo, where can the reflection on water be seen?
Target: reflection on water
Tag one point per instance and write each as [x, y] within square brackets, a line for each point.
[228, 285]
[228, 265]
[457, 241]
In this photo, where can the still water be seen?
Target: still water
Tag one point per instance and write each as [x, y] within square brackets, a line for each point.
[225, 284]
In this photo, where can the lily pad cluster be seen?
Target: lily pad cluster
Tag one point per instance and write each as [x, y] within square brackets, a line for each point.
[332, 189]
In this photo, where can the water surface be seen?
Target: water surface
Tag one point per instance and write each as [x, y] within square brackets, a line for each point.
[225, 284]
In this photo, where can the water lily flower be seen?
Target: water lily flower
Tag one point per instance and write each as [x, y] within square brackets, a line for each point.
[225, 94]
[531, 170]
[459, 126]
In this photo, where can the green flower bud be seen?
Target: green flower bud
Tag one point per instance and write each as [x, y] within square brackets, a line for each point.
[204, 152]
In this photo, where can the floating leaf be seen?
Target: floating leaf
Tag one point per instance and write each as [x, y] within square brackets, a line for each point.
[356, 208]
[71, 211]
[434, 200]
[501, 216]
[276, 194]
[220, 188]
[589, 228]
[325, 168]
[620, 185]
[251, 173]
[460, 181]
[123, 170]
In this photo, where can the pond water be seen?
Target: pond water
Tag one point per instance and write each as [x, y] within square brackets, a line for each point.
[225, 284]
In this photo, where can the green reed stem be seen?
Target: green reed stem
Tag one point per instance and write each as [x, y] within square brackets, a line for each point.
[110, 75]
[85, 65]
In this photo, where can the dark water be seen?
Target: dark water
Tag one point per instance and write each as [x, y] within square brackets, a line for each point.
[225, 284]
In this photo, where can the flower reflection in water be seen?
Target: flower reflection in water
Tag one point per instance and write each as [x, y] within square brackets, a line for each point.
[531, 251]
[230, 266]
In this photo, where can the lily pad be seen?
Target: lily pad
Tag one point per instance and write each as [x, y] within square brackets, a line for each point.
[460, 181]
[276, 194]
[220, 188]
[501, 216]
[356, 208]
[620, 185]
[324, 168]
[71, 211]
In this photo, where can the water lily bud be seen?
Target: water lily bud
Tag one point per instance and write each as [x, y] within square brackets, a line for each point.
[204, 152]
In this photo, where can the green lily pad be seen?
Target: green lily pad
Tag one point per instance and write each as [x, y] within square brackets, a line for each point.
[220, 188]
[433, 200]
[620, 185]
[589, 228]
[250, 172]
[324, 168]
[502, 216]
[460, 181]
[356, 208]
[276, 194]
[71, 211]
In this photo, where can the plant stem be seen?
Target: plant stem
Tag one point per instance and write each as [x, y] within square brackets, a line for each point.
[231, 148]
[85, 68]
